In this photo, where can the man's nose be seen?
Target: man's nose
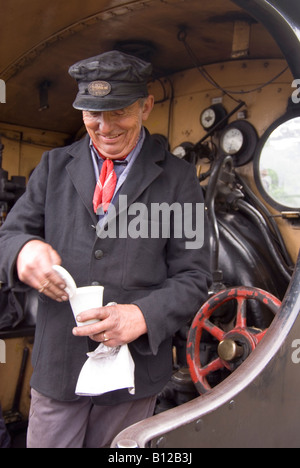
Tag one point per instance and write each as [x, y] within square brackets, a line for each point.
[104, 121]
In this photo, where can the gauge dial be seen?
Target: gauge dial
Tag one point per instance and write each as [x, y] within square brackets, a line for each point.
[181, 150]
[208, 118]
[212, 116]
[232, 141]
[239, 140]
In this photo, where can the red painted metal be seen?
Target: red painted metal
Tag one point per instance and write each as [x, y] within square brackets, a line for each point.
[201, 322]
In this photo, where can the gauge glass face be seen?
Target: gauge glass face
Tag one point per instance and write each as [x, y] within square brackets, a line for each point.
[208, 118]
[179, 151]
[233, 141]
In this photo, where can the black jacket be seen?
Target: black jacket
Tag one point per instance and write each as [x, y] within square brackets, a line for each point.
[165, 279]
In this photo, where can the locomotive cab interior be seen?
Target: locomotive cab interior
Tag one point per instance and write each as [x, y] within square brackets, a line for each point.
[226, 100]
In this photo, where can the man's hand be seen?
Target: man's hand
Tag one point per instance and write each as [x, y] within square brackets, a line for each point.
[118, 324]
[34, 267]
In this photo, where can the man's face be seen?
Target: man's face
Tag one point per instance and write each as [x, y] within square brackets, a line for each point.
[115, 133]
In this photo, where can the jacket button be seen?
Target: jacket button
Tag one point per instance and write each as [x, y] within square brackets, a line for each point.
[95, 283]
[98, 254]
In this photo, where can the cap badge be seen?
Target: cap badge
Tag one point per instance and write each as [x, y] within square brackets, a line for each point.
[99, 88]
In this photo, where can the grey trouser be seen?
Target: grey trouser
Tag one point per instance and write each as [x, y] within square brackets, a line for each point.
[81, 424]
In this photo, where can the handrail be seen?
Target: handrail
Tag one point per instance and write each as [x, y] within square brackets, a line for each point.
[141, 433]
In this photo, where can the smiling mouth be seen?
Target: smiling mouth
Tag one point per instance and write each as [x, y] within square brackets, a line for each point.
[110, 137]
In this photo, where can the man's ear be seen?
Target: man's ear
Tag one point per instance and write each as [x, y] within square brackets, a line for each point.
[147, 106]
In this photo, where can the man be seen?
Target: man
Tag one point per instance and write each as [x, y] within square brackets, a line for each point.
[157, 283]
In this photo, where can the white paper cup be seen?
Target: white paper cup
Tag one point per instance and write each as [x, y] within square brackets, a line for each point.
[89, 297]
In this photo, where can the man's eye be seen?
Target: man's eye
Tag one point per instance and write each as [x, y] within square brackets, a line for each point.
[119, 112]
[91, 115]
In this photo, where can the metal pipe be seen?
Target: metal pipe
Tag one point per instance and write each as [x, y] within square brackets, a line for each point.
[260, 222]
[269, 219]
[210, 206]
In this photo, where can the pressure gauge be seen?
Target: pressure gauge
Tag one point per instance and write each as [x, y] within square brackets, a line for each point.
[181, 150]
[239, 140]
[211, 116]
[208, 118]
[233, 140]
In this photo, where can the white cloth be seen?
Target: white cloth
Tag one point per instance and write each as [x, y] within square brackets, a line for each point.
[106, 369]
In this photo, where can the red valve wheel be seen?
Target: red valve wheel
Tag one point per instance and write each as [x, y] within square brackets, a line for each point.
[234, 345]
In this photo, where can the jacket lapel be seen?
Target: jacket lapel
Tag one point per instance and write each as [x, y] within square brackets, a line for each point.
[81, 172]
[144, 170]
